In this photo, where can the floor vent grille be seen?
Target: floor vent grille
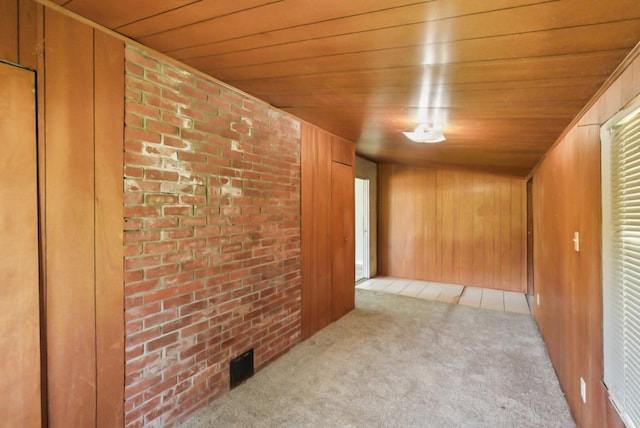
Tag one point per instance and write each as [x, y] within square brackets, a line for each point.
[241, 368]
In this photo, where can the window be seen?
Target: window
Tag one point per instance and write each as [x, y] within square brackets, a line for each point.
[621, 261]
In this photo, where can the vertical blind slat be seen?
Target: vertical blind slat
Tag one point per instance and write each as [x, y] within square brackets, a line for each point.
[621, 262]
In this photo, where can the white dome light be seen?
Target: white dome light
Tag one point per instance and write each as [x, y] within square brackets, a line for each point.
[425, 134]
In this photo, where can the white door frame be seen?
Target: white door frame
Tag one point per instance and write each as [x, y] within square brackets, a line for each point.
[366, 247]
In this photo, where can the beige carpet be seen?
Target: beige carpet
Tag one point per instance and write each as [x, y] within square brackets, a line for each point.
[403, 362]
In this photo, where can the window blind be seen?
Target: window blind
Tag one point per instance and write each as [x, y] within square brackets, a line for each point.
[621, 262]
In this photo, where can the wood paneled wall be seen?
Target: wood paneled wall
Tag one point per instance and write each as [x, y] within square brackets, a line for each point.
[567, 199]
[315, 161]
[80, 132]
[451, 226]
[328, 228]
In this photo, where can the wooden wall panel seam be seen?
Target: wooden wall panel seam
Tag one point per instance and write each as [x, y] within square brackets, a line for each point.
[109, 281]
[70, 221]
[28, 42]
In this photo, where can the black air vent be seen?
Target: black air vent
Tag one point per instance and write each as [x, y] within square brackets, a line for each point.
[241, 368]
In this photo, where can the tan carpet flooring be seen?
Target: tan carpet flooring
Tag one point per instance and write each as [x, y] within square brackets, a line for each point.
[397, 361]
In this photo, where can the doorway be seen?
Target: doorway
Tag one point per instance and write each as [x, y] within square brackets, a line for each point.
[530, 278]
[362, 229]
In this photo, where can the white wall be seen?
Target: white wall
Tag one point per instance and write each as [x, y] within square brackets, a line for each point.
[359, 221]
[367, 169]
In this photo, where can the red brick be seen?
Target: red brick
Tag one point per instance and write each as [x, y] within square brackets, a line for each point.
[180, 210]
[160, 222]
[133, 172]
[224, 200]
[194, 329]
[178, 279]
[132, 224]
[160, 151]
[133, 120]
[162, 175]
[176, 142]
[177, 301]
[177, 233]
[133, 276]
[140, 287]
[190, 286]
[192, 157]
[178, 257]
[131, 185]
[160, 318]
[160, 102]
[139, 236]
[141, 311]
[174, 95]
[159, 294]
[161, 79]
[142, 110]
[199, 222]
[132, 250]
[191, 244]
[193, 200]
[142, 135]
[141, 59]
[142, 337]
[141, 211]
[161, 342]
[176, 324]
[132, 263]
[133, 159]
[133, 70]
[160, 271]
[162, 127]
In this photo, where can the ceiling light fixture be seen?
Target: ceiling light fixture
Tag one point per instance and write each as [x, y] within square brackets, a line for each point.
[425, 134]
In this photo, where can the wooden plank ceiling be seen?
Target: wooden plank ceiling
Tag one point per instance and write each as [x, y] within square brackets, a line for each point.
[501, 78]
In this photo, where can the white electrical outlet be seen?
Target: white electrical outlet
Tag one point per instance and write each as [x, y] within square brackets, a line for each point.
[583, 390]
[538, 299]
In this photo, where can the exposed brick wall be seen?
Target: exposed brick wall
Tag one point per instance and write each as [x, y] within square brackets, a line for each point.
[212, 234]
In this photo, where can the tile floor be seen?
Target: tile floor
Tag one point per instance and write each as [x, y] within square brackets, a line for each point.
[484, 298]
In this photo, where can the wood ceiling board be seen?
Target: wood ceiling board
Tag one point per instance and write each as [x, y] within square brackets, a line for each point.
[412, 15]
[408, 157]
[115, 13]
[540, 17]
[511, 112]
[258, 20]
[481, 126]
[566, 66]
[577, 94]
[464, 149]
[399, 42]
[189, 14]
[461, 113]
[592, 81]
[512, 147]
[496, 126]
[404, 59]
[529, 137]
